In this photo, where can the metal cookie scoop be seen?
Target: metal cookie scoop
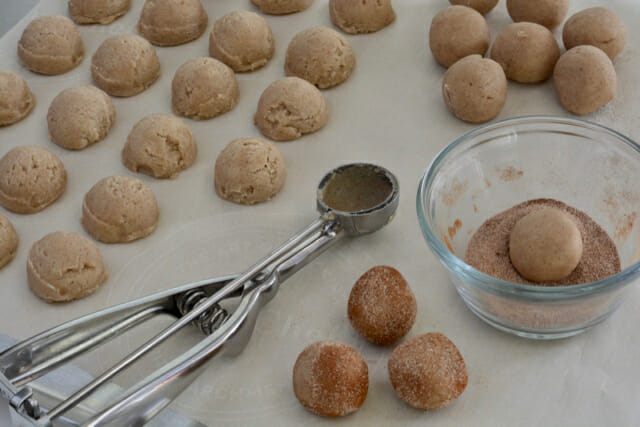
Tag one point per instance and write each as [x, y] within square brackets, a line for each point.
[353, 199]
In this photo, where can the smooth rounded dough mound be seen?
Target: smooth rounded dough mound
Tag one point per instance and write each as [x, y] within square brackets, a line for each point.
[321, 56]
[64, 267]
[160, 145]
[125, 65]
[289, 108]
[8, 241]
[97, 11]
[475, 89]
[50, 45]
[526, 51]
[31, 178]
[330, 379]
[482, 6]
[80, 116]
[172, 22]
[119, 209]
[549, 13]
[249, 171]
[359, 17]
[282, 7]
[203, 88]
[585, 79]
[596, 26]
[16, 99]
[456, 32]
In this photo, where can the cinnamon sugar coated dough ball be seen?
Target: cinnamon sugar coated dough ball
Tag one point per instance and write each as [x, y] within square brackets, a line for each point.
[282, 7]
[289, 108]
[119, 209]
[330, 379]
[16, 99]
[159, 145]
[359, 17]
[8, 241]
[549, 13]
[382, 307]
[585, 79]
[249, 171]
[172, 22]
[482, 6]
[50, 45]
[97, 11]
[526, 51]
[427, 371]
[596, 26]
[31, 178]
[456, 32]
[125, 65]
[321, 56]
[80, 116]
[203, 88]
[475, 89]
[243, 40]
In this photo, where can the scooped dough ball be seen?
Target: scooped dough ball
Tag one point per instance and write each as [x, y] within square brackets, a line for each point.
[97, 11]
[203, 88]
[8, 241]
[160, 145]
[482, 6]
[282, 7]
[321, 56]
[596, 26]
[31, 178]
[456, 32]
[50, 45]
[330, 379]
[172, 22]
[16, 99]
[475, 89]
[526, 51]
[64, 267]
[249, 171]
[290, 108]
[80, 116]
[428, 371]
[358, 17]
[585, 79]
[125, 65]
[549, 13]
[119, 209]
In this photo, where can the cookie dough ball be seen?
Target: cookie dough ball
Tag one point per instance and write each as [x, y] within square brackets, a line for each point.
[482, 6]
[50, 45]
[249, 171]
[172, 22]
[428, 371]
[125, 65]
[596, 26]
[203, 88]
[8, 241]
[97, 11]
[282, 7]
[475, 89]
[549, 13]
[80, 116]
[64, 267]
[119, 209]
[330, 379]
[16, 99]
[290, 108]
[160, 145]
[359, 17]
[526, 51]
[31, 178]
[456, 32]
[585, 79]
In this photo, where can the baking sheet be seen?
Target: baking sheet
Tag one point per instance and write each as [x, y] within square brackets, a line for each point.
[389, 112]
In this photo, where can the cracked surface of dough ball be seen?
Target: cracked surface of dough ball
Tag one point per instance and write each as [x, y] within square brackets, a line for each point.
[482, 6]
[172, 22]
[119, 209]
[249, 171]
[526, 51]
[282, 7]
[456, 32]
[8, 241]
[159, 145]
[360, 17]
[289, 108]
[16, 100]
[97, 11]
[596, 26]
[203, 88]
[549, 13]
[125, 65]
[51, 45]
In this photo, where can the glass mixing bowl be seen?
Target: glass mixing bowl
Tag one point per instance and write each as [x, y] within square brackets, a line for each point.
[499, 165]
